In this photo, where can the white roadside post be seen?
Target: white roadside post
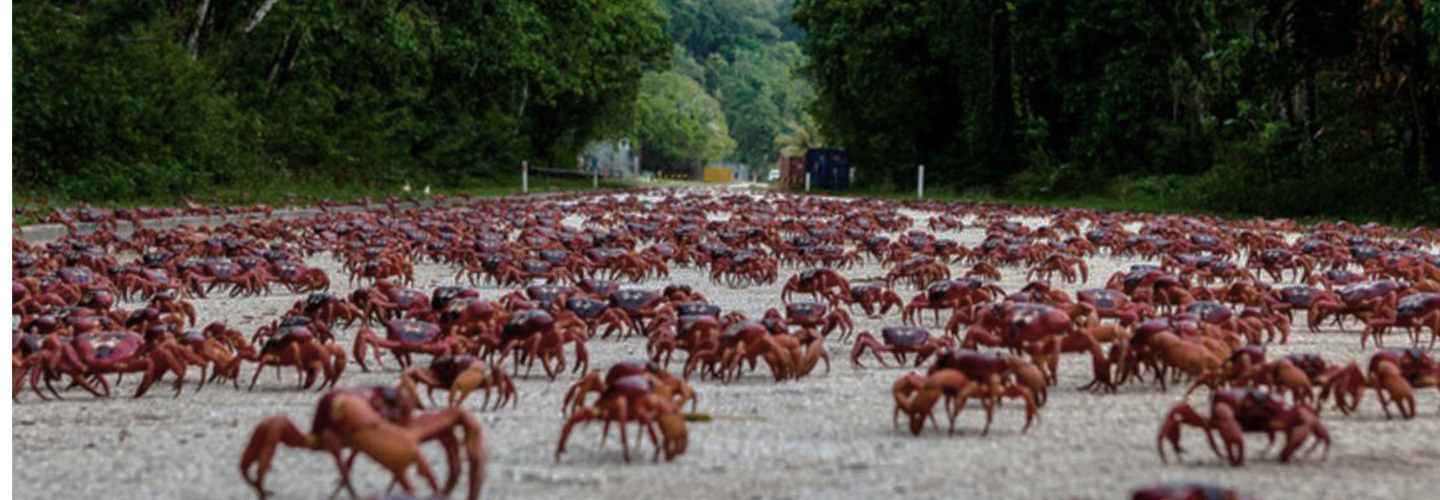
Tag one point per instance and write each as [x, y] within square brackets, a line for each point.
[807, 182]
[595, 179]
[920, 186]
[525, 176]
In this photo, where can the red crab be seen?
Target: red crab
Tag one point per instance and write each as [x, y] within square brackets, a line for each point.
[1364, 301]
[1188, 492]
[404, 337]
[1235, 412]
[297, 346]
[1414, 312]
[1395, 375]
[919, 271]
[900, 341]
[460, 376]
[381, 423]
[952, 295]
[816, 316]
[957, 377]
[1071, 269]
[532, 334]
[871, 296]
[821, 281]
[299, 278]
[636, 399]
[99, 353]
[674, 387]
[327, 309]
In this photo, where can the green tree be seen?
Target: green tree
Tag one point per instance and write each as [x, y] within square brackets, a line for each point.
[745, 53]
[680, 127]
[118, 99]
[903, 83]
[759, 91]
[799, 137]
[105, 108]
[708, 26]
[1272, 106]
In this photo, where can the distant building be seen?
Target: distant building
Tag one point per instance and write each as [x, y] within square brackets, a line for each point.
[614, 159]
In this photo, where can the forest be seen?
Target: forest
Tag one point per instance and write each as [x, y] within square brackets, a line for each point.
[123, 100]
[1263, 107]
[1268, 107]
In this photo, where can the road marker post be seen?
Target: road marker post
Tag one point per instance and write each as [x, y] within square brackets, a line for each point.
[525, 176]
[920, 185]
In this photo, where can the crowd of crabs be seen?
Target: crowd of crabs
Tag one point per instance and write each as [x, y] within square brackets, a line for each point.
[1206, 299]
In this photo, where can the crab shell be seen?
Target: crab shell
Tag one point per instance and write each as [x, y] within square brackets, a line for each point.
[904, 336]
[528, 322]
[412, 331]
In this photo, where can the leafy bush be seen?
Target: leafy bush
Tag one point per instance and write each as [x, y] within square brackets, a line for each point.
[1230, 105]
[120, 100]
[120, 115]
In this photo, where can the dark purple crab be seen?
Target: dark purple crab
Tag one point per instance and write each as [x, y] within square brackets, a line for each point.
[598, 287]
[1210, 312]
[404, 337]
[549, 296]
[900, 341]
[816, 316]
[697, 309]
[637, 306]
[441, 297]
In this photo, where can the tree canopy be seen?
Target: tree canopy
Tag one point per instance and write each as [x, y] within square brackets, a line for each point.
[1275, 106]
[1278, 105]
[117, 99]
[745, 54]
[680, 127]
[1268, 106]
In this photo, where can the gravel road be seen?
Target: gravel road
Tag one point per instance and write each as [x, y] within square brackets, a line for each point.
[826, 436]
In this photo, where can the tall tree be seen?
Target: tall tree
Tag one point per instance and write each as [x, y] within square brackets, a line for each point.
[744, 53]
[118, 99]
[680, 127]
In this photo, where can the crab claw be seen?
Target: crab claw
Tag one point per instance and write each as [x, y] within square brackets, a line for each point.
[260, 451]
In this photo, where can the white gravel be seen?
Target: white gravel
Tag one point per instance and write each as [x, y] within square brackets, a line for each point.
[826, 436]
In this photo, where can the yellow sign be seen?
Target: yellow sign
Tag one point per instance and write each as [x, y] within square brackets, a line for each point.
[719, 174]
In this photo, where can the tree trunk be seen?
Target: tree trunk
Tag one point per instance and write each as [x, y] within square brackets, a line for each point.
[259, 15]
[524, 99]
[1003, 158]
[1429, 135]
[193, 43]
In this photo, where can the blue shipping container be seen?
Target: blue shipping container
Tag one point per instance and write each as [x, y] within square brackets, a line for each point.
[829, 169]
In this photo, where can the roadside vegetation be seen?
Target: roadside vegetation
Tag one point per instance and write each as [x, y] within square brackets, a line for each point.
[1274, 108]
[1277, 108]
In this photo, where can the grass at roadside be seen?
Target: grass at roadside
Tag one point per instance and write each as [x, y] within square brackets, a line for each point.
[1132, 204]
[307, 193]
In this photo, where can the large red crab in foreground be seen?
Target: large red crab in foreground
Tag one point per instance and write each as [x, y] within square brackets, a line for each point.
[642, 398]
[1187, 492]
[381, 423]
[1396, 374]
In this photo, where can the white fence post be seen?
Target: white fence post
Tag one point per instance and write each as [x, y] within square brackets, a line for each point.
[525, 176]
[920, 186]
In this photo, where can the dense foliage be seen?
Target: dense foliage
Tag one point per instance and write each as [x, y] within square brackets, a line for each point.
[1272, 106]
[1268, 106]
[120, 99]
[745, 54]
[678, 124]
